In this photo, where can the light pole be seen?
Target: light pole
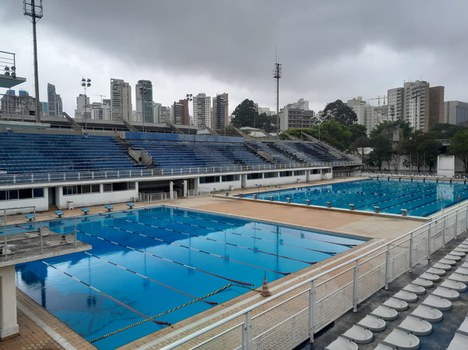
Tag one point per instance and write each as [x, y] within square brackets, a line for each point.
[85, 83]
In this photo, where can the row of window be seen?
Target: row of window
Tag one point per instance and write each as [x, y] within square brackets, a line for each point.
[112, 187]
[253, 176]
[26, 193]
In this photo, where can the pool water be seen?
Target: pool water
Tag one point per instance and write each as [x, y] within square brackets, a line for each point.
[418, 197]
[154, 267]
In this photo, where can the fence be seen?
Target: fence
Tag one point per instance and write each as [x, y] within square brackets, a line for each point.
[8, 179]
[294, 315]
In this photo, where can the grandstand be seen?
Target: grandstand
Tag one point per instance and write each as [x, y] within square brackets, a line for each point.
[70, 168]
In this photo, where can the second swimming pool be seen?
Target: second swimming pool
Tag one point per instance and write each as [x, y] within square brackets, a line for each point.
[417, 197]
[154, 267]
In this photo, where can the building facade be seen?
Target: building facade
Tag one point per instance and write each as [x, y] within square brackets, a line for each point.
[220, 111]
[121, 100]
[416, 104]
[395, 103]
[202, 111]
[55, 105]
[181, 112]
[436, 105]
[456, 113]
[144, 102]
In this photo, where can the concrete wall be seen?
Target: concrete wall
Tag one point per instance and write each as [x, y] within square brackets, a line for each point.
[41, 204]
[90, 199]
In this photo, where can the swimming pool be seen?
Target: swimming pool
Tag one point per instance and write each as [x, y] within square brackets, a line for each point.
[154, 267]
[418, 197]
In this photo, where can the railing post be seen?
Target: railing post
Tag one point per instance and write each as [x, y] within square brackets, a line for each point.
[387, 266]
[428, 245]
[355, 286]
[411, 251]
[312, 295]
[246, 332]
[443, 231]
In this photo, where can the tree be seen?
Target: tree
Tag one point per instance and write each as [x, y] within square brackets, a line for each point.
[382, 150]
[459, 147]
[340, 112]
[245, 114]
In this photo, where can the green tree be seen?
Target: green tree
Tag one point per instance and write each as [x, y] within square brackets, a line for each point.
[459, 147]
[340, 112]
[245, 114]
[382, 150]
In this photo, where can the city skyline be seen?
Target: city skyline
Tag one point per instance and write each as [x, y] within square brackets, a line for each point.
[329, 50]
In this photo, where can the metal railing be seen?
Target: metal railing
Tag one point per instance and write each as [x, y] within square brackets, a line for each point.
[35, 178]
[294, 315]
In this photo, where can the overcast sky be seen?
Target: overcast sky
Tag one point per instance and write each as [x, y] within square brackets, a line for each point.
[329, 49]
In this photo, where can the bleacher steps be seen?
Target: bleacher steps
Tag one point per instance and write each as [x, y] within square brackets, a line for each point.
[446, 293]
[342, 344]
[399, 339]
[415, 326]
[416, 289]
[373, 323]
[359, 335]
[450, 284]
[397, 304]
[437, 302]
[385, 312]
[409, 297]
[428, 313]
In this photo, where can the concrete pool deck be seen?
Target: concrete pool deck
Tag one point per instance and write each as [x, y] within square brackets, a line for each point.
[33, 336]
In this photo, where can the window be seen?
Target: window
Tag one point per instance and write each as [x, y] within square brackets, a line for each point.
[209, 179]
[299, 172]
[119, 186]
[227, 178]
[38, 193]
[270, 175]
[80, 189]
[254, 176]
[25, 193]
[285, 173]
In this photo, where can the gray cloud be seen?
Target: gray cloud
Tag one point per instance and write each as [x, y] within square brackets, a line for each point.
[329, 49]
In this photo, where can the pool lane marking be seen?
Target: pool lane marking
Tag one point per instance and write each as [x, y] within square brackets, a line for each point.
[206, 252]
[217, 241]
[104, 294]
[151, 279]
[351, 245]
[158, 315]
[240, 283]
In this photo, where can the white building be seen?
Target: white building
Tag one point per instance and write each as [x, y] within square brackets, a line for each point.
[82, 102]
[395, 104]
[416, 104]
[201, 111]
[121, 100]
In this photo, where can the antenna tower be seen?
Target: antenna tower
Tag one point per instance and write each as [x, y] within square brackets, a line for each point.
[277, 76]
[33, 9]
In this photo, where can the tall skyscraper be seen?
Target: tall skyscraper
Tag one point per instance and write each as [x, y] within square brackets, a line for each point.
[395, 104]
[144, 101]
[181, 112]
[121, 100]
[436, 105]
[81, 102]
[54, 102]
[202, 111]
[416, 104]
[220, 117]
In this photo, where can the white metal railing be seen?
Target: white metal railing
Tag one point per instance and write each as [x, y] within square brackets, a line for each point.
[9, 179]
[294, 315]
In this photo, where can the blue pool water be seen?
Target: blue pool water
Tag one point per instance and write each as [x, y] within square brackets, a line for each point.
[418, 197]
[149, 268]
